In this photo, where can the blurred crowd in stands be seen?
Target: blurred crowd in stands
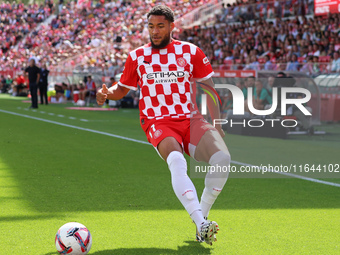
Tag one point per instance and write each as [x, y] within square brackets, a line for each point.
[96, 37]
[268, 9]
[17, 21]
[311, 45]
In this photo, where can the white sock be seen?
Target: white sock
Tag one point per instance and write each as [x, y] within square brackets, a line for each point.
[183, 186]
[214, 181]
[197, 217]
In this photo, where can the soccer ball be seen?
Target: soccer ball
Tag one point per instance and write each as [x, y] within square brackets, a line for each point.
[73, 238]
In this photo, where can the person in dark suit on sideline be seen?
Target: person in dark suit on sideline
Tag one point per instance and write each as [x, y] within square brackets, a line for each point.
[43, 84]
[33, 74]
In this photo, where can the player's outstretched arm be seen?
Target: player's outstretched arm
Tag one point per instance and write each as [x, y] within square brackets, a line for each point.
[114, 93]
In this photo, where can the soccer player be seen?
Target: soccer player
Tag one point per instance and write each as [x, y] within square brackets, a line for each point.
[164, 70]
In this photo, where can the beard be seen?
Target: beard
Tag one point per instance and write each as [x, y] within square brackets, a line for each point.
[163, 43]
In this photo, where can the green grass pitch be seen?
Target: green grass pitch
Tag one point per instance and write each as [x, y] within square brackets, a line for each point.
[121, 190]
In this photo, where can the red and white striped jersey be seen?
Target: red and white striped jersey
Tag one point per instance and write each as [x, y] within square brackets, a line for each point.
[164, 77]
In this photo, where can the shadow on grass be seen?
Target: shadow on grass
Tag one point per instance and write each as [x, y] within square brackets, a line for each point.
[194, 248]
[26, 217]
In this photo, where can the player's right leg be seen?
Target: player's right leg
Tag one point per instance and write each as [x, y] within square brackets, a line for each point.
[171, 152]
[167, 138]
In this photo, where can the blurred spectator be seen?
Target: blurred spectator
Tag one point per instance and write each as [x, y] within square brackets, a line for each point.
[9, 81]
[241, 86]
[308, 66]
[254, 65]
[250, 83]
[67, 91]
[270, 84]
[261, 96]
[316, 68]
[19, 85]
[295, 50]
[335, 63]
[2, 84]
[61, 4]
[43, 84]
[90, 88]
[268, 65]
[293, 64]
[227, 105]
[75, 91]
[58, 95]
[33, 74]
[5, 84]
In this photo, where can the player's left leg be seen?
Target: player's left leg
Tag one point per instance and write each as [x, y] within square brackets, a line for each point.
[212, 149]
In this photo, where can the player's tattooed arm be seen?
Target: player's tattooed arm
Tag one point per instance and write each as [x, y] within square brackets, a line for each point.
[213, 107]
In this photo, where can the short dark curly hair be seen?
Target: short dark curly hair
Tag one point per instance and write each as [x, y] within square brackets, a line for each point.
[162, 10]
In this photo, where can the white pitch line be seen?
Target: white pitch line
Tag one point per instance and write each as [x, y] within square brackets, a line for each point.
[75, 127]
[72, 118]
[84, 120]
[60, 115]
[51, 113]
[291, 175]
[42, 112]
[143, 142]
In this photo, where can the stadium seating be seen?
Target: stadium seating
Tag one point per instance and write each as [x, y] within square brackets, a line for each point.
[17, 22]
[83, 34]
[98, 38]
[279, 38]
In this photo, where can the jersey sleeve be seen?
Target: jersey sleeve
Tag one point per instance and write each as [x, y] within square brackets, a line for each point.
[129, 78]
[202, 69]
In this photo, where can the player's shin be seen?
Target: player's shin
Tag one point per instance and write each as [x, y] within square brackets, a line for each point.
[215, 180]
[183, 186]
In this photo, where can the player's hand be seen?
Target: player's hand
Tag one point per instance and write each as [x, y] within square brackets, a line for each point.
[101, 95]
[220, 130]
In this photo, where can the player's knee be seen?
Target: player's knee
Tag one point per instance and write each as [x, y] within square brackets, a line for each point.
[177, 163]
[220, 158]
[225, 159]
[175, 157]
[220, 162]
